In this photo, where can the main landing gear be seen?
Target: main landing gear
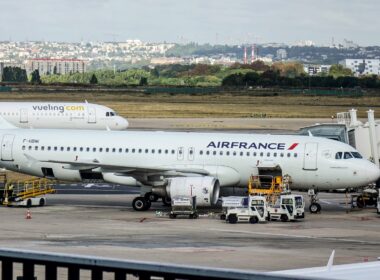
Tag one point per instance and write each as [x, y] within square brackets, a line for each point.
[143, 203]
[314, 207]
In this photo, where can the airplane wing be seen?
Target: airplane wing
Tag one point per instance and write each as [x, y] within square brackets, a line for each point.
[123, 170]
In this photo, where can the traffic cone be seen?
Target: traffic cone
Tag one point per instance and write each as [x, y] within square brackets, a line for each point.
[28, 215]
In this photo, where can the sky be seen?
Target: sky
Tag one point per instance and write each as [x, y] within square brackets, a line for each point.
[182, 21]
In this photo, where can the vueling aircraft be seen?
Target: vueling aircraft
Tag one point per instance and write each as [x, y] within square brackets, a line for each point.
[61, 115]
[165, 164]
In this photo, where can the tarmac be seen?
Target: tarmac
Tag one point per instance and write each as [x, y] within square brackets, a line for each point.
[95, 221]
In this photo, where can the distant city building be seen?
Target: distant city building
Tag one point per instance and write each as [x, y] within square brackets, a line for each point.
[362, 66]
[48, 66]
[281, 54]
[316, 69]
[7, 64]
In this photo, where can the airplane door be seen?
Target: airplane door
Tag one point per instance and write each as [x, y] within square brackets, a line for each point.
[190, 155]
[23, 115]
[310, 156]
[91, 115]
[180, 153]
[6, 147]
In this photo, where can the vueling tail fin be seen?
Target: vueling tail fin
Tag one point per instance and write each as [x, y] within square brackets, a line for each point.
[4, 124]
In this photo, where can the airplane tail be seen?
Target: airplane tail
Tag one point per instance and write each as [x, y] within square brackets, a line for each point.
[4, 124]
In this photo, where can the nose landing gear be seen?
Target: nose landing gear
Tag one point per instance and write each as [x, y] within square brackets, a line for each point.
[314, 207]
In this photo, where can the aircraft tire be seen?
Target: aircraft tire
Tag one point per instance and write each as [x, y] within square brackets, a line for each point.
[315, 208]
[223, 217]
[360, 201]
[166, 201]
[140, 204]
[151, 197]
[42, 201]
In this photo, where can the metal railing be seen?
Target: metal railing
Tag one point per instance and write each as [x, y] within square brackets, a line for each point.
[120, 268]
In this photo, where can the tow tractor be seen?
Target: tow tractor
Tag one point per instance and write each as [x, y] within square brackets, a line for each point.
[254, 211]
[184, 206]
[287, 208]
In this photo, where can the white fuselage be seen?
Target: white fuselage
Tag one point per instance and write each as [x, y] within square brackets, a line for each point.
[232, 158]
[66, 115]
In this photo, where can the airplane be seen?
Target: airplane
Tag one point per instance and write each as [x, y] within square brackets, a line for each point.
[365, 270]
[61, 115]
[166, 164]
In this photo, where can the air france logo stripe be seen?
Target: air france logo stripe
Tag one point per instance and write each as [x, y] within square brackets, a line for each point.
[250, 145]
[293, 146]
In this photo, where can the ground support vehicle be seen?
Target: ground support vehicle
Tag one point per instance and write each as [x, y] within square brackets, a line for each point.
[233, 202]
[368, 197]
[378, 202]
[287, 208]
[254, 211]
[184, 206]
[24, 193]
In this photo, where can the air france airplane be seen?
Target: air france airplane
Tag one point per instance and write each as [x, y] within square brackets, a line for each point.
[61, 115]
[165, 164]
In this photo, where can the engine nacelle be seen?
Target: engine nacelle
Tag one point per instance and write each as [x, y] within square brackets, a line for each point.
[206, 189]
[121, 180]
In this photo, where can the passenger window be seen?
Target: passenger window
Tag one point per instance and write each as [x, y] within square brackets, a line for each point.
[159, 151]
[36, 148]
[68, 149]
[338, 155]
[23, 147]
[214, 153]
[146, 151]
[42, 148]
[120, 150]
[347, 155]
[254, 154]
[87, 149]
[234, 153]
[140, 150]
[114, 150]
[295, 155]
[207, 152]
[100, 150]
[288, 154]
[48, 148]
[228, 153]
[133, 150]
[55, 148]
[248, 154]
[275, 154]
[94, 149]
[62, 149]
[153, 151]
[126, 150]
[261, 154]
[81, 149]
[107, 114]
[268, 154]
[166, 151]
[282, 155]
[173, 152]
[221, 153]
[75, 149]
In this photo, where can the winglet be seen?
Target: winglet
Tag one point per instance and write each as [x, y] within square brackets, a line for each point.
[4, 124]
[310, 134]
[331, 261]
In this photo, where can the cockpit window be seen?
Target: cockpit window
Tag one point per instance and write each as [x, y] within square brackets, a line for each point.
[110, 114]
[338, 155]
[347, 155]
[356, 155]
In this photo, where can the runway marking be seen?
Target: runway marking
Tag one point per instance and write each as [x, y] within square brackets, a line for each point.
[297, 236]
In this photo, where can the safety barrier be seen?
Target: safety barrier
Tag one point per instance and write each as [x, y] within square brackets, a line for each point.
[120, 268]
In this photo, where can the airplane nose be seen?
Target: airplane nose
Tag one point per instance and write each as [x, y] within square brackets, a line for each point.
[121, 123]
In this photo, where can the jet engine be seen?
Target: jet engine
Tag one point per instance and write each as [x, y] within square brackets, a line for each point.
[206, 189]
